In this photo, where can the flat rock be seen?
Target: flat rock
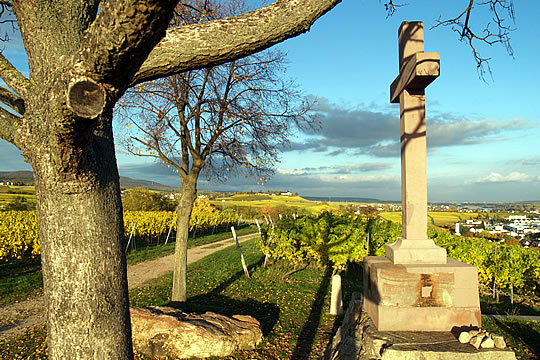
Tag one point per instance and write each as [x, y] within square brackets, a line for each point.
[169, 332]
[499, 342]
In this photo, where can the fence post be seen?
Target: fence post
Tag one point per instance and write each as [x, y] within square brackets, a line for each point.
[494, 272]
[130, 236]
[246, 272]
[169, 233]
[511, 281]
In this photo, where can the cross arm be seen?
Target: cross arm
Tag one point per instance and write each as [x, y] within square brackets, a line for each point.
[419, 71]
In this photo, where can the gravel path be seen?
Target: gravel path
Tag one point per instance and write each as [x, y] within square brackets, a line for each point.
[18, 317]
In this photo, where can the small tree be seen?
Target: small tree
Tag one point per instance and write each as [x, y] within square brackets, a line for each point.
[228, 119]
[141, 199]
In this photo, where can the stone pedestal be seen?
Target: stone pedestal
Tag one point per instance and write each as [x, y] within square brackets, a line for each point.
[409, 251]
[359, 339]
[421, 297]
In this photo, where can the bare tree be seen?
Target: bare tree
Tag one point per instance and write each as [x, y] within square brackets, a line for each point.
[83, 55]
[222, 120]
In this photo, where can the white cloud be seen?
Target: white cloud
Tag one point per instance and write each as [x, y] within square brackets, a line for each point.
[290, 172]
[495, 177]
[358, 179]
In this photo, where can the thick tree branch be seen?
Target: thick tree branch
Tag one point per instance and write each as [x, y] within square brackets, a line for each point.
[120, 38]
[13, 78]
[8, 126]
[216, 42]
[12, 100]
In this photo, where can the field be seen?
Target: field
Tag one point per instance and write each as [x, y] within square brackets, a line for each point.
[9, 193]
[272, 201]
[435, 218]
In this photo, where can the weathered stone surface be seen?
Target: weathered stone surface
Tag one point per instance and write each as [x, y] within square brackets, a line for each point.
[476, 341]
[164, 331]
[359, 339]
[393, 295]
[487, 343]
[499, 342]
[464, 337]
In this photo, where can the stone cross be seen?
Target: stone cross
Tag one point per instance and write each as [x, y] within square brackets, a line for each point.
[417, 70]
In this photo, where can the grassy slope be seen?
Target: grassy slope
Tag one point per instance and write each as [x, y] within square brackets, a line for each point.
[292, 312]
[314, 207]
[20, 281]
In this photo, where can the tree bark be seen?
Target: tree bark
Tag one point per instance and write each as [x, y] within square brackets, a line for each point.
[82, 56]
[184, 209]
[82, 241]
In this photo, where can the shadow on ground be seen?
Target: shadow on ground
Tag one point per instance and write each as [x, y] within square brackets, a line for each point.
[266, 313]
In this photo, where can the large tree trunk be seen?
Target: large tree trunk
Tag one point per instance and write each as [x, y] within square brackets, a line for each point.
[184, 208]
[82, 242]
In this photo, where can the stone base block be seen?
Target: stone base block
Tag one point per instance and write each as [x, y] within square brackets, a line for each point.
[421, 297]
[411, 251]
[359, 339]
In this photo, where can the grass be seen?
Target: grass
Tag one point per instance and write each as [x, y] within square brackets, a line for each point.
[154, 252]
[522, 336]
[20, 281]
[292, 311]
[23, 280]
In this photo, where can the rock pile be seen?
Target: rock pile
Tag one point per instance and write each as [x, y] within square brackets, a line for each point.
[482, 339]
[169, 332]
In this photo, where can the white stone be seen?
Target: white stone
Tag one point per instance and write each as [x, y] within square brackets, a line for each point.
[499, 342]
[464, 337]
[476, 341]
[487, 343]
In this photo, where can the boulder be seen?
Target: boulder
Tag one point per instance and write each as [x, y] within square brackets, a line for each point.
[169, 332]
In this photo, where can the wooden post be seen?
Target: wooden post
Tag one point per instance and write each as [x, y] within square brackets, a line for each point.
[336, 301]
[169, 233]
[130, 235]
[246, 272]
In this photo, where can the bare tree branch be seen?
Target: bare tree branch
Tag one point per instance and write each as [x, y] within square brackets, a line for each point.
[216, 42]
[13, 78]
[391, 7]
[12, 100]
[495, 32]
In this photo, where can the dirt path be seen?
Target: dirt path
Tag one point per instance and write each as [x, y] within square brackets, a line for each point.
[18, 317]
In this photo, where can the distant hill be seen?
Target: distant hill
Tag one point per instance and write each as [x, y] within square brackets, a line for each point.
[17, 176]
[345, 199]
[27, 177]
[126, 182]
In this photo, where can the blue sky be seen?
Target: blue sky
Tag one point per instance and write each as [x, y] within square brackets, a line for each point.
[482, 135]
